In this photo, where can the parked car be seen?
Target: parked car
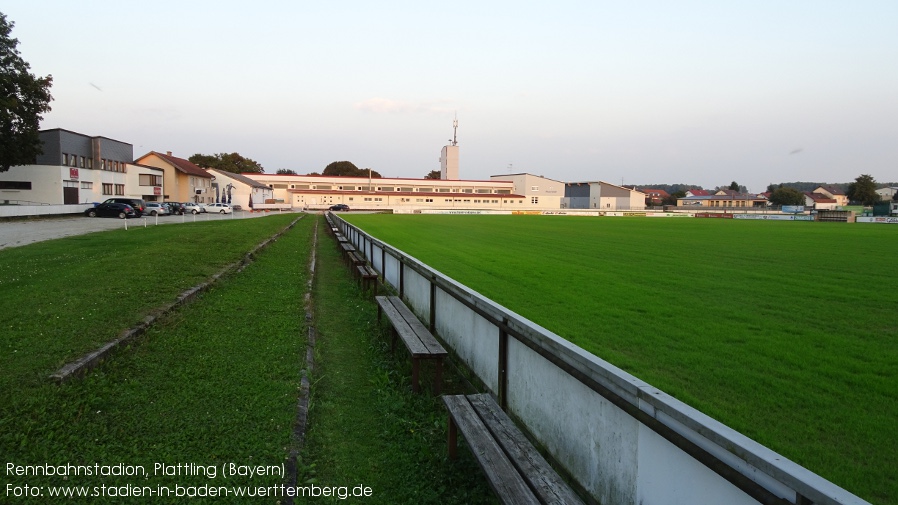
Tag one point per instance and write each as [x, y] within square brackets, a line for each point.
[222, 208]
[193, 208]
[339, 206]
[111, 209]
[137, 204]
[175, 207]
[156, 209]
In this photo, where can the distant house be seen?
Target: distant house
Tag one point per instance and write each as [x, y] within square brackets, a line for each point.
[184, 181]
[887, 193]
[654, 196]
[698, 192]
[833, 192]
[238, 189]
[819, 201]
[727, 192]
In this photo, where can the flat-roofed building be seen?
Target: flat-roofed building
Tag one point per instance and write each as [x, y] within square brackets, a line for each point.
[322, 191]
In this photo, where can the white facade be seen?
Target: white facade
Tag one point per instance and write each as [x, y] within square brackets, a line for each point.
[321, 191]
[58, 184]
[886, 193]
[538, 191]
[244, 191]
[449, 163]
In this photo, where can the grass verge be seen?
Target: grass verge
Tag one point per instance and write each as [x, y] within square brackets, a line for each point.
[209, 389]
[366, 426]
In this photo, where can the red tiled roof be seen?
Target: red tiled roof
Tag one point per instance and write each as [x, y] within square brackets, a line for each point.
[181, 164]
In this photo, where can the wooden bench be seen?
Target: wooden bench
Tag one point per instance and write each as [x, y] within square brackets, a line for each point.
[367, 276]
[347, 248]
[355, 258]
[516, 471]
[419, 341]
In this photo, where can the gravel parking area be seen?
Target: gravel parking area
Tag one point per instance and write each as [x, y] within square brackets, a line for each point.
[16, 233]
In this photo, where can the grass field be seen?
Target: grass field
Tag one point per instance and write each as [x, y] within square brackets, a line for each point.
[215, 382]
[785, 331]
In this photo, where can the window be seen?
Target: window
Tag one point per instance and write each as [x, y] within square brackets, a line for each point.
[15, 184]
[428, 200]
[347, 188]
[484, 191]
[90, 163]
[503, 191]
[70, 184]
[468, 190]
[534, 200]
[81, 161]
[65, 159]
[320, 186]
[107, 189]
[150, 180]
[443, 190]
[102, 164]
[534, 188]
[87, 185]
[119, 189]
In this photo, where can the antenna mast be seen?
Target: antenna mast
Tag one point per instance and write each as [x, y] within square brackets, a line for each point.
[455, 131]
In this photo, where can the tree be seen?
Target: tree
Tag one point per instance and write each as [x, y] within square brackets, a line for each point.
[734, 186]
[24, 99]
[786, 196]
[863, 190]
[232, 162]
[434, 174]
[348, 169]
[285, 171]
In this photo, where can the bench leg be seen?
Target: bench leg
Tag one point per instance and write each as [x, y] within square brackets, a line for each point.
[374, 281]
[416, 364]
[453, 439]
[393, 342]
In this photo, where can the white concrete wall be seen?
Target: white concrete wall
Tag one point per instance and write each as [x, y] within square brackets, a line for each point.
[612, 432]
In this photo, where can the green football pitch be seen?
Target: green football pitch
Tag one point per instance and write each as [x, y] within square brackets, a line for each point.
[784, 331]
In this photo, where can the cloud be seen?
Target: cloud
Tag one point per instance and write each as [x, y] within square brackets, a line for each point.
[379, 105]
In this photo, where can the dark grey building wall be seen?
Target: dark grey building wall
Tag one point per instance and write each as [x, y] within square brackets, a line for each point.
[576, 190]
[59, 141]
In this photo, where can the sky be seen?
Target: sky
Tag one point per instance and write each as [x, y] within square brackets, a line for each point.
[639, 93]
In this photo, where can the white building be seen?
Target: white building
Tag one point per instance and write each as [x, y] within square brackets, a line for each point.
[600, 195]
[538, 191]
[79, 169]
[322, 191]
[242, 190]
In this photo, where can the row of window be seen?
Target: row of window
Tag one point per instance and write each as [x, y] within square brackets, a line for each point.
[401, 189]
[109, 188]
[73, 160]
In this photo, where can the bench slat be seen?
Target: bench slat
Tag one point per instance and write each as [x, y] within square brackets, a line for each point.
[503, 477]
[405, 332]
[427, 338]
[531, 464]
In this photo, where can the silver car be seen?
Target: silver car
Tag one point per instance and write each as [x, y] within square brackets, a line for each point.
[156, 209]
[193, 208]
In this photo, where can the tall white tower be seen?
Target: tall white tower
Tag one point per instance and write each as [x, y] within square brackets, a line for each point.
[449, 156]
